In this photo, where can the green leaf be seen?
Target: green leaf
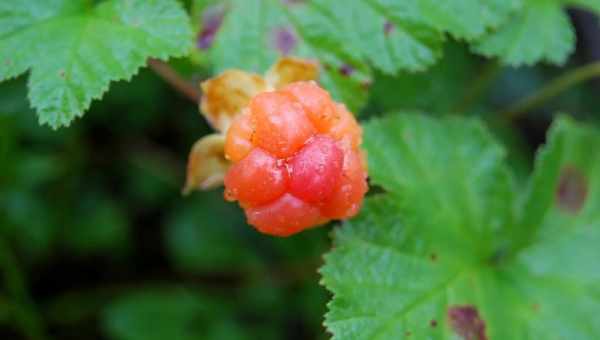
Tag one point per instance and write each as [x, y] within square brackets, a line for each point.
[440, 256]
[100, 227]
[541, 31]
[561, 214]
[389, 35]
[74, 51]
[375, 31]
[254, 33]
[464, 19]
[433, 91]
[210, 235]
[160, 314]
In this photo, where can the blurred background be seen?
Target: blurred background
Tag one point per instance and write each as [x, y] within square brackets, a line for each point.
[96, 241]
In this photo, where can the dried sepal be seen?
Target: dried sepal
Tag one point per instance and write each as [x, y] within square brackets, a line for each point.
[225, 95]
[288, 70]
[206, 164]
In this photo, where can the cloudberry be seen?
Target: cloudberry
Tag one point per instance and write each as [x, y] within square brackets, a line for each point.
[296, 159]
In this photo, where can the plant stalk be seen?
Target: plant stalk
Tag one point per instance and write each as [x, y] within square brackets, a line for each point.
[168, 74]
[552, 89]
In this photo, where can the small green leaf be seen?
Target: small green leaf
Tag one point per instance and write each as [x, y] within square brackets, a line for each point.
[74, 51]
[440, 254]
[541, 31]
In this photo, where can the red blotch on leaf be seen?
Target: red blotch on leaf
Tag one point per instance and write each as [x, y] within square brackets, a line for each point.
[572, 190]
[467, 323]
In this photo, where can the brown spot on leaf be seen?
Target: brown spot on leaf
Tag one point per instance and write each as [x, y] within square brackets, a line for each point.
[8, 62]
[535, 307]
[407, 333]
[466, 322]
[433, 323]
[433, 257]
[572, 190]
[61, 73]
[388, 27]
[284, 40]
[212, 18]
[346, 70]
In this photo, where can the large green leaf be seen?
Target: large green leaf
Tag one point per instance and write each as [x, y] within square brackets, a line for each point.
[440, 256]
[541, 31]
[74, 51]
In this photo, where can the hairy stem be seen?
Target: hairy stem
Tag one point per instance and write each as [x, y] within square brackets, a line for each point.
[23, 309]
[168, 74]
[555, 87]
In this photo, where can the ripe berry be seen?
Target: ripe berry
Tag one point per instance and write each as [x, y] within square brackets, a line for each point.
[297, 161]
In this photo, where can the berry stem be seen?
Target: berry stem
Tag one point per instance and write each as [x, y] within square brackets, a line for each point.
[169, 75]
[552, 89]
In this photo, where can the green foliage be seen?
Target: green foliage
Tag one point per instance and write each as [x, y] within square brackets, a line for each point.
[541, 31]
[168, 314]
[198, 242]
[389, 35]
[408, 91]
[74, 51]
[451, 232]
[466, 233]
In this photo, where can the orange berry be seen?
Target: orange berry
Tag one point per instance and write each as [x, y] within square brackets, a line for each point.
[256, 179]
[346, 127]
[346, 199]
[317, 104]
[281, 126]
[285, 216]
[316, 169]
[297, 160]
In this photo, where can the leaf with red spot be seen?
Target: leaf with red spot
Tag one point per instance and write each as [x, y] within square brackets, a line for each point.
[452, 249]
